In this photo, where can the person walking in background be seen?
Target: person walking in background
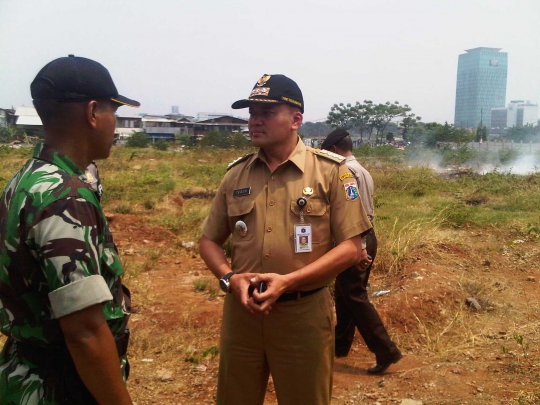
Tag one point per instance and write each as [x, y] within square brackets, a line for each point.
[63, 306]
[353, 307]
[285, 206]
[92, 177]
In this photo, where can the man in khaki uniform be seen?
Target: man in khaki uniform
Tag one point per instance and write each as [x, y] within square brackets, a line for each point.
[285, 207]
[353, 307]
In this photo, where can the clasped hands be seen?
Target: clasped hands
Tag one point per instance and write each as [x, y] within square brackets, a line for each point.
[255, 301]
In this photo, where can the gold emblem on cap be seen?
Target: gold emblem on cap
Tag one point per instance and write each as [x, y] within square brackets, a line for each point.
[307, 191]
[262, 81]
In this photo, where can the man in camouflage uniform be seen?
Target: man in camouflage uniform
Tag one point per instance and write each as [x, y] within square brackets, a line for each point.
[62, 303]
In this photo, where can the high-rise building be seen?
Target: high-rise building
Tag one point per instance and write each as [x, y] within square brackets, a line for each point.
[517, 114]
[481, 86]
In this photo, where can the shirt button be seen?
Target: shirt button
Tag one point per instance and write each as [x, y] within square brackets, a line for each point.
[273, 177]
[308, 210]
[266, 256]
[269, 229]
[272, 202]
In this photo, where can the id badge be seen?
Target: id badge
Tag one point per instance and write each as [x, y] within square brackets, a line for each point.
[302, 238]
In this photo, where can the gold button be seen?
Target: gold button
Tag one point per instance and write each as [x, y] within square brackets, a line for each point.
[266, 256]
[269, 229]
[272, 202]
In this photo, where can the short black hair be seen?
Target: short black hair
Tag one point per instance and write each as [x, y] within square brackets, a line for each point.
[345, 144]
[48, 110]
[52, 110]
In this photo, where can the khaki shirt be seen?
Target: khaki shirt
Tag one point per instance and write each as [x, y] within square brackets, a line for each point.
[365, 185]
[270, 211]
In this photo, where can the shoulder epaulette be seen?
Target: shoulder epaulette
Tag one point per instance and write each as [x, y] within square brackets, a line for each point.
[238, 160]
[329, 155]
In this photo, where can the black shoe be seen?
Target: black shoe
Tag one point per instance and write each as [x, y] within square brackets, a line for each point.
[382, 367]
[340, 354]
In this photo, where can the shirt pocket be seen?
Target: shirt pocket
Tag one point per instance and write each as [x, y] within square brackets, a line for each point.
[242, 210]
[316, 214]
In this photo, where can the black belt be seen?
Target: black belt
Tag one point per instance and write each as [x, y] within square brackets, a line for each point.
[292, 296]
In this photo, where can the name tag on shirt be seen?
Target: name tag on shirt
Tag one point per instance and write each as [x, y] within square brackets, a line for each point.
[302, 238]
[240, 192]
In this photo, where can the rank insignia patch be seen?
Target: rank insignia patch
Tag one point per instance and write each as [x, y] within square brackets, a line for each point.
[351, 191]
[345, 176]
[260, 91]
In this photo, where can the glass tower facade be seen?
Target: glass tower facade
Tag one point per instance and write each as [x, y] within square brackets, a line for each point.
[481, 86]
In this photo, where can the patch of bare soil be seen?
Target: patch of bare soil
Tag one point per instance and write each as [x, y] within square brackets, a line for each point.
[455, 352]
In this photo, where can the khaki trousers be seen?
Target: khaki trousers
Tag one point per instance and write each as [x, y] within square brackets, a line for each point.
[295, 343]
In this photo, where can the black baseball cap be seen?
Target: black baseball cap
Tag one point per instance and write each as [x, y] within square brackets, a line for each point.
[273, 89]
[74, 78]
[334, 137]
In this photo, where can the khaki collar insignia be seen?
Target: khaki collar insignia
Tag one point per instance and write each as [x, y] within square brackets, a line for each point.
[262, 81]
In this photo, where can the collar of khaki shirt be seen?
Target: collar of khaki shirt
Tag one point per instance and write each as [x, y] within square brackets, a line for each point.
[297, 156]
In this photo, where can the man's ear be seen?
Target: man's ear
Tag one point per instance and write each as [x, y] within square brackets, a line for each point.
[297, 120]
[92, 113]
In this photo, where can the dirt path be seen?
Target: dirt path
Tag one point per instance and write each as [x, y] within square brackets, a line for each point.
[453, 354]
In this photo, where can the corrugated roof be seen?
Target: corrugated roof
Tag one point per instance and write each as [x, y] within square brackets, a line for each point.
[157, 119]
[128, 116]
[29, 120]
[19, 111]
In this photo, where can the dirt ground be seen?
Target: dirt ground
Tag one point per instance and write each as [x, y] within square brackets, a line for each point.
[454, 353]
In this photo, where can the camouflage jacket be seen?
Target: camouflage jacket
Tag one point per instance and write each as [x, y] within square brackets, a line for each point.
[57, 256]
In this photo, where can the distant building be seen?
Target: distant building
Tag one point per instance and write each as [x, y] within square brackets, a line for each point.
[171, 125]
[204, 116]
[27, 120]
[499, 119]
[517, 114]
[481, 86]
[126, 125]
[174, 109]
[522, 113]
[7, 117]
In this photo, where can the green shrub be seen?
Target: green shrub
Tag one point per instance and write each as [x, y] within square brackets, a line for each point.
[184, 139]
[508, 155]
[377, 151]
[458, 156]
[7, 134]
[148, 205]
[457, 216]
[224, 140]
[161, 144]
[138, 140]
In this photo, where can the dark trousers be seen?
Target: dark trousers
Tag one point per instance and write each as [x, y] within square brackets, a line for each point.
[353, 309]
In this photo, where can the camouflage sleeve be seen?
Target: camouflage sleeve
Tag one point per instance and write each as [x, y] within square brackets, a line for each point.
[66, 238]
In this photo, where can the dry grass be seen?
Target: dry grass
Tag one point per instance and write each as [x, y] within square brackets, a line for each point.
[434, 252]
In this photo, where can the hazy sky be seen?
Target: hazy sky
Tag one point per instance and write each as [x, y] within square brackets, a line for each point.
[203, 55]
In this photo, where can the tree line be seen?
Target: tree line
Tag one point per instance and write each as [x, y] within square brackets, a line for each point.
[379, 122]
[371, 120]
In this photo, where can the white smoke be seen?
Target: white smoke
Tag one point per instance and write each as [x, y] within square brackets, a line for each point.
[525, 162]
